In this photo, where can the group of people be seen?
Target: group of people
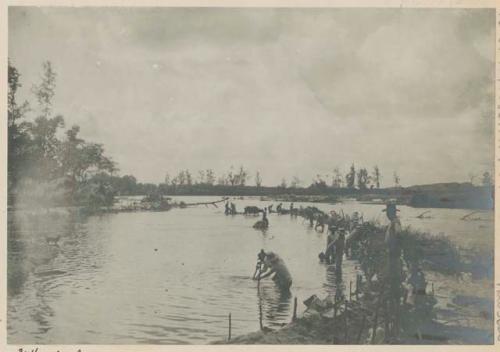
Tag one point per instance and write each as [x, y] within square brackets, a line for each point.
[230, 209]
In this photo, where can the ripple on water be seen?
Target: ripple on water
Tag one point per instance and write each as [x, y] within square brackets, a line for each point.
[116, 284]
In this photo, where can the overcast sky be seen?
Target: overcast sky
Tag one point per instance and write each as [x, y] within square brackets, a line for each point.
[286, 92]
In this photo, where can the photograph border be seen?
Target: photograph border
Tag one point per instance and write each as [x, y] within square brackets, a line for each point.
[234, 4]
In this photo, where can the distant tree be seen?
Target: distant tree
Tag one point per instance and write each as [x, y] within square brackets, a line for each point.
[222, 180]
[350, 178]
[396, 180]
[201, 177]
[337, 178]
[231, 178]
[189, 178]
[487, 181]
[362, 178]
[319, 182]
[376, 176]
[167, 179]
[472, 177]
[210, 177]
[258, 179]
[181, 178]
[283, 183]
[240, 178]
[296, 182]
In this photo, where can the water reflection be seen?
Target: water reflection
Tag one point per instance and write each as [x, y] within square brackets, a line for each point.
[273, 304]
[168, 277]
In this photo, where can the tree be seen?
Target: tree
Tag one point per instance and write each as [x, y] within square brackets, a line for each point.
[181, 178]
[376, 176]
[337, 178]
[362, 178]
[472, 177]
[45, 91]
[43, 131]
[18, 136]
[283, 183]
[296, 182]
[241, 177]
[222, 180]
[487, 181]
[350, 177]
[396, 179]
[319, 182]
[258, 179]
[189, 178]
[231, 179]
[201, 177]
[167, 179]
[210, 177]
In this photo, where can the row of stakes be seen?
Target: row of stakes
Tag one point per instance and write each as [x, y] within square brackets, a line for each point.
[355, 293]
[294, 316]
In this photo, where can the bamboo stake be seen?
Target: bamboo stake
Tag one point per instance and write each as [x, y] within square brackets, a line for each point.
[350, 290]
[345, 322]
[294, 317]
[229, 338]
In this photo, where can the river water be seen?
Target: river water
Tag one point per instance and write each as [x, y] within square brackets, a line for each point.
[173, 277]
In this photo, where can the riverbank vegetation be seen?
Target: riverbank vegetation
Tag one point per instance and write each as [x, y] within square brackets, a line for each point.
[50, 164]
[361, 313]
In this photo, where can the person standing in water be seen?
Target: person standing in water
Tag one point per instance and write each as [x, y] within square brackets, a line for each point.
[273, 264]
[330, 245]
[339, 251]
[394, 268]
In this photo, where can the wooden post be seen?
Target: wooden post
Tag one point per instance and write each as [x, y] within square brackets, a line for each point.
[386, 321]
[229, 338]
[260, 317]
[345, 322]
[433, 288]
[294, 317]
[350, 290]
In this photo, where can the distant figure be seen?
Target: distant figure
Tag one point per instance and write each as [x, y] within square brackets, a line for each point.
[233, 209]
[320, 223]
[270, 208]
[278, 208]
[339, 250]
[262, 224]
[310, 216]
[330, 249]
[394, 266]
[273, 264]
[227, 210]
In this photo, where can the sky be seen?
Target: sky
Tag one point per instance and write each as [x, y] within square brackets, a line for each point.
[288, 92]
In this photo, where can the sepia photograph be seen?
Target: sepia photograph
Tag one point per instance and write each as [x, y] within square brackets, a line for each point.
[250, 175]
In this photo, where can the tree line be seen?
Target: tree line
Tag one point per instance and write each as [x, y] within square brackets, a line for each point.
[50, 164]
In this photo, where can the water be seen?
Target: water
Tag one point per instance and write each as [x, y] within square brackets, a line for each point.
[173, 277]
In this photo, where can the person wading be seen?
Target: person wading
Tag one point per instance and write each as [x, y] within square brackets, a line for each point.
[394, 270]
[339, 251]
[273, 264]
[330, 245]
